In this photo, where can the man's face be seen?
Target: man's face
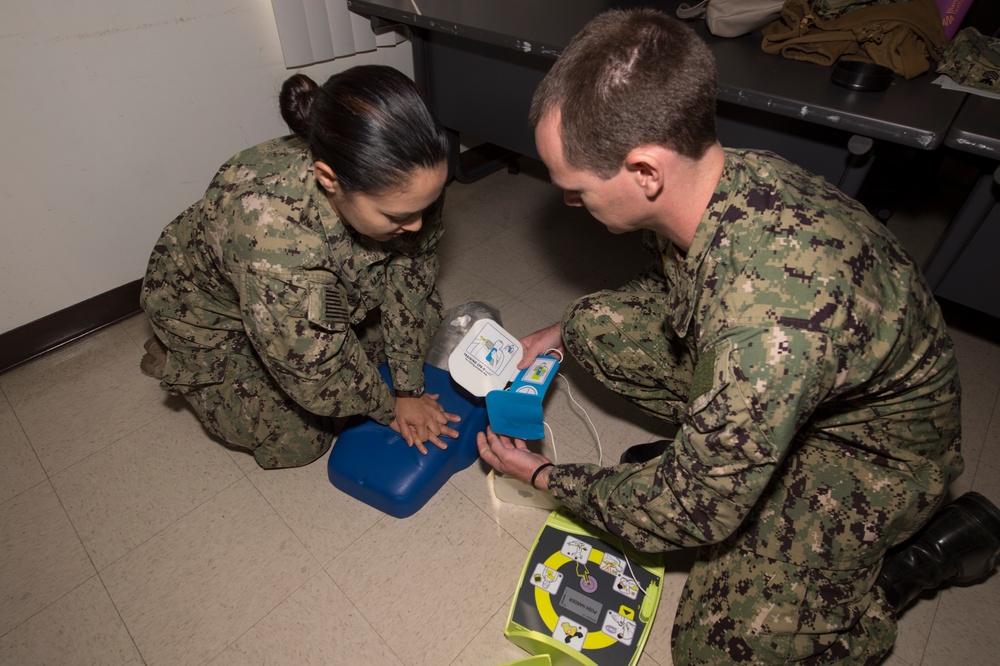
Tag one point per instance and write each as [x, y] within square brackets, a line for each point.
[612, 202]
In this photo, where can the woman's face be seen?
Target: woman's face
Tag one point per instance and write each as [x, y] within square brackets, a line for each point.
[388, 215]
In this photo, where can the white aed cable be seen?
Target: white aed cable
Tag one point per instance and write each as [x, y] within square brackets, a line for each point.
[600, 459]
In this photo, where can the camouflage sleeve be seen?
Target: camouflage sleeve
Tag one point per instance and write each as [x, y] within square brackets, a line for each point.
[751, 392]
[412, 309]
[299, 324]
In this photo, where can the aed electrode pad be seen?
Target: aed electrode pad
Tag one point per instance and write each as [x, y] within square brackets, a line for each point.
[485, 364]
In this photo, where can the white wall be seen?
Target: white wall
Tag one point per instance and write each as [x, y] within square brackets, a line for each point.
[114, 115]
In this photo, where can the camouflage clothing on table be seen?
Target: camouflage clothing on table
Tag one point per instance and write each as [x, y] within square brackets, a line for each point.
[804, 358]
[831, 9]
[275, 314]
[972, 60]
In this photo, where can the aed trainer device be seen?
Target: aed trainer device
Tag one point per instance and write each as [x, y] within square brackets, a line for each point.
[485, 364]
[517, 410]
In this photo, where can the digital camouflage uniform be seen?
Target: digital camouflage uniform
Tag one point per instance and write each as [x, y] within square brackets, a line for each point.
[808, 367]
[972, 59]
[275, 314]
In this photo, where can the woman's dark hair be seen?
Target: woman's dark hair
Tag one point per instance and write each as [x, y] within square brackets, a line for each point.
[370, 124]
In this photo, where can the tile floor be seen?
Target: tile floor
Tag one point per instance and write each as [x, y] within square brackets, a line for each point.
[129, 536]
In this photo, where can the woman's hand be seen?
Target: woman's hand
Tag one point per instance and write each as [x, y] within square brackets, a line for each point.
[511, 457]
[539, 342]
[423, 419]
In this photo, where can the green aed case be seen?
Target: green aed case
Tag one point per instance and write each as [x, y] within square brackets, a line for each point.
[585, 597]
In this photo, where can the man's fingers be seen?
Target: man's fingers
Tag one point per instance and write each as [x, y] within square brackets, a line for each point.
[486, 451]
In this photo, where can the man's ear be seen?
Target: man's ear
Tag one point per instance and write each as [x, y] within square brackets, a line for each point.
[325, 175]
[647, 165]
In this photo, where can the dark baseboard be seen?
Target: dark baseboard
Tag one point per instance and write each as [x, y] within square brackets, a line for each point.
[45, 334]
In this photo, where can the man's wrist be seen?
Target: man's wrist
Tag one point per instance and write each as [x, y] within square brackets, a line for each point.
[540, 472]
[411, 393]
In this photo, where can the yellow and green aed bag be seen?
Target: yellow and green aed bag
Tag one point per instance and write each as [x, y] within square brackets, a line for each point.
[585, 597]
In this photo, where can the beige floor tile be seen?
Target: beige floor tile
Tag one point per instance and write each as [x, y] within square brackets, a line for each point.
[553, 295]
[317, 624]
[465, 229]
[429, 583]
[127, 492]
[619, 424]
[75, 416]
[458, 285]
[137, 328]
[490, 646]
[894, 660]
[509, 200]
[325, 519]
[987, 482]
[549, 220]
[990, 452]
[513, 262]
[646, 660]
[609, 268]
[21, 469]
[41, 558]
[913, 629]
[521, 522]
[197, 586]
[966, 626]
[82, 627]
[520, 319]
[460, 195]
[67, 363]
[979, 370]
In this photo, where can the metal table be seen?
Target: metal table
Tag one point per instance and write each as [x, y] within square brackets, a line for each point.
[964, 266]
[480, 60]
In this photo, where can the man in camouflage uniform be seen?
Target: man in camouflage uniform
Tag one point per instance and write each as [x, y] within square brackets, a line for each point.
[276, 313]
[784, 330]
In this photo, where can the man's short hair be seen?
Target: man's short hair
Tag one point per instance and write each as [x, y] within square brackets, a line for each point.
[630, 78]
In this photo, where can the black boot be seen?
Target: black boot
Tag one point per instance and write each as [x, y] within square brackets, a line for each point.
[960, 544]
[641, 453]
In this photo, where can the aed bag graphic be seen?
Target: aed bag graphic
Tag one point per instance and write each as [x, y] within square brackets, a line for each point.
[584, 597]
[485, 364]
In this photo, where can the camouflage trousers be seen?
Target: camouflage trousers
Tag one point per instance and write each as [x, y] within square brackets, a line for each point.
[738, 606]
[243, 405]
[741, 607]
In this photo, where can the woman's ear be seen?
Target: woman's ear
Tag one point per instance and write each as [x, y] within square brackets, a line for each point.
[325, 175]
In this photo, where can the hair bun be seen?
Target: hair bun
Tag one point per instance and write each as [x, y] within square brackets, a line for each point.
[295, 100]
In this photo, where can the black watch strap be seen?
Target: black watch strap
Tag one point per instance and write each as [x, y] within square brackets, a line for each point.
[414, 393]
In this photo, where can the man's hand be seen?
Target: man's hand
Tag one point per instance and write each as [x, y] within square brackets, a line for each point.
[423, 419]
[511, 457]
[539, 342]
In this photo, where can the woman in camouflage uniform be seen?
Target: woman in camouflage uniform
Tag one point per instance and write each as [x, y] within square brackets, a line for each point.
[310, 260]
